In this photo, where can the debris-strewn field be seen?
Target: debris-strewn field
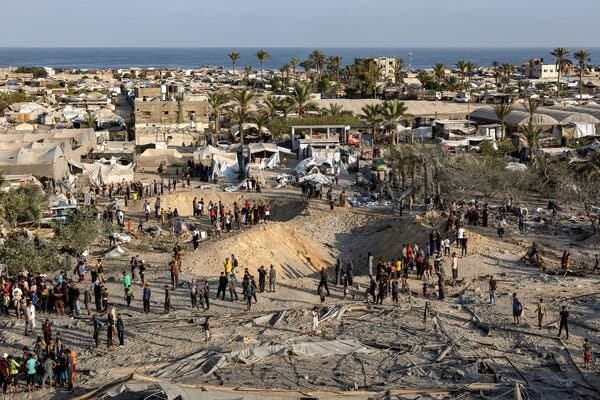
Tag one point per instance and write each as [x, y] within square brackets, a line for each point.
[462, 347]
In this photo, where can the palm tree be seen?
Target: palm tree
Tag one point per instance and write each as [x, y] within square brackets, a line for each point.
[334, 110]
[496, 72]
[461, 65]
[217, 101]
[317, 57]
[452, 83]
[301, 99]
[294, 63]
[439, 71]
[285, 72]
[334, 63]
[247, 72]
[371, 113]
[424, 78]
[233, 57]
[286, 106]
[508, 70]
[241, 114]
[272, 104]
[543, 87]
[470, 70]
[583, 58]
[562, 62]
[261, 121]
[532, 135]
[531, 105]
[502, 110]
[391, 112]
[399, 70]
[262, 55]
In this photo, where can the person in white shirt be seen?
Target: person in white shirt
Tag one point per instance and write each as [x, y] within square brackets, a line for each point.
[29, 317]
[370, 262]
[459, 236]
[17, 295]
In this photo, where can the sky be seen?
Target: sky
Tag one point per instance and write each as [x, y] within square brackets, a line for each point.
[304, 23]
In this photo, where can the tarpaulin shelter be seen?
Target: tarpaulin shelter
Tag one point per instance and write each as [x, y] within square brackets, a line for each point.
[106, 171]
[47, 162]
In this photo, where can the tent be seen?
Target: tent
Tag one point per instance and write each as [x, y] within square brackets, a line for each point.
[206, 153]
[152, 158]
[48, 162]
[106, 171]
[226, 166]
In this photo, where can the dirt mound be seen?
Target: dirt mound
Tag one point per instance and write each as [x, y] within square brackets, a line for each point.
[293, 254]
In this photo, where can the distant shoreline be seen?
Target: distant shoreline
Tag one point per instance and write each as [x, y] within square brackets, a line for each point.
[196, 57]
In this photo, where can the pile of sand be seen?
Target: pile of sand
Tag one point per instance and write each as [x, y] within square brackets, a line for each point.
[293, 253]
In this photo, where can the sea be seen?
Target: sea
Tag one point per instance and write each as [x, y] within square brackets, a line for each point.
[190, 58]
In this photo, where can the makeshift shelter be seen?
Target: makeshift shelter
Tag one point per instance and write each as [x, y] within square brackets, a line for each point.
[47, 162]
[206, 153]
[267, 155]
[226, 166]
[106, 171]
[153, 158]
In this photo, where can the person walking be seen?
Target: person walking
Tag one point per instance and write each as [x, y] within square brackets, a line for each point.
[370, 263]
[587, 354]
[517, 309]
[493, 286]
[262, 278]
[540, 311]
[323, 281]
[563, 322]
[29, 317]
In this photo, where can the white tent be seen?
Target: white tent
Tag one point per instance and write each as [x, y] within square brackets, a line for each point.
[205, 153]
[226, 166]
[107, 171]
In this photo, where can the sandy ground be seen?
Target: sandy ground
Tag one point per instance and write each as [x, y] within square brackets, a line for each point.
[403, 351]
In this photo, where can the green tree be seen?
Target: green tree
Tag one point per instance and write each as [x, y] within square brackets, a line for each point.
[79, 231]
[439, 72]
[262, 121]
[560, 55]
[241, 113]
[583, 58]
[294, 63]
[272, 104]
[502, 111]
[318, 59]
[392, 112]
[372, 114]
[262, 56]
[334, 110]
[399, 70]
[90, 120]
[22, 204]
[217, 101]
[21, 253]
[302, 99]
[452, 83]
[233, 56]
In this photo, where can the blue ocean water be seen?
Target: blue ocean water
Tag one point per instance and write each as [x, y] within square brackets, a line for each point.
[147, 57]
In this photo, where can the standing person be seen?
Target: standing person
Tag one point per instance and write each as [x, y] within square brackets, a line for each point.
[540, 312]
[174, 274]
[262, 278]
[315, 321]
[31, 369]
[13, 369]
[97, 326]
[463, 245]
[4, 373]
[227, 267]
[222, 286]
[249, 294]
[454, 266]
[370, 263]
[167, 300]
[517, 309]
[323, 281]
[194, 293]
[338, 270]
[232, 290]
[206, 293]
[272, 278]
[395, 292]
[100, 270]
[493, 286]
[350, 273]
[49, 367]
[110, 330]
[29, 317]
[441, 286]
[206, 327]
[87, 299]
[146, 298]
[47, 331]
[460, 234]
[587, 354]
[120, 330]
[563, 321]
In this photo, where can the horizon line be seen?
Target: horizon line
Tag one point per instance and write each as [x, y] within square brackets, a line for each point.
[287, 47]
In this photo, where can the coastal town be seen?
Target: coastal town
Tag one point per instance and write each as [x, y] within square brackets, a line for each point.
[330, 229]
